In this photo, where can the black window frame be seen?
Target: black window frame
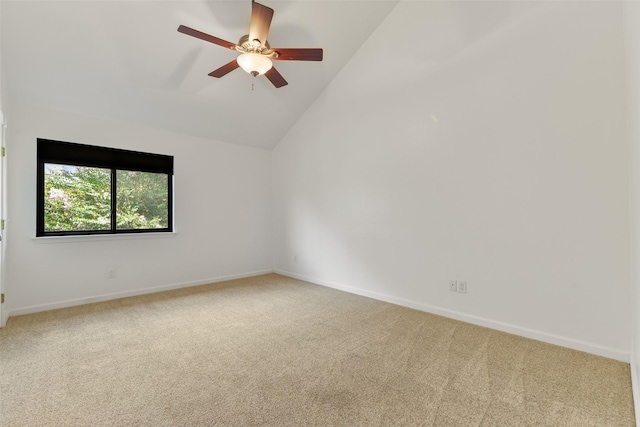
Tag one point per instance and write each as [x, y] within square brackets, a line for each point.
[73, 154]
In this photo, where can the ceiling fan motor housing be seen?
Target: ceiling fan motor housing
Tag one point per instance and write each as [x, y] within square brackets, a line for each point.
[254, 46]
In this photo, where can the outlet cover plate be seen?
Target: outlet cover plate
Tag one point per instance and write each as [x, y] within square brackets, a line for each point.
[462, 287]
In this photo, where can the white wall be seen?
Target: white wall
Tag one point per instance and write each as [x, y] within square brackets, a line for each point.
[3, 86]
[222, 216]
[632, 43]
[495, 153]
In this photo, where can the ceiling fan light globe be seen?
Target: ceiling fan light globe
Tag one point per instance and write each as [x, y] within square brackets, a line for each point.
[254, 63]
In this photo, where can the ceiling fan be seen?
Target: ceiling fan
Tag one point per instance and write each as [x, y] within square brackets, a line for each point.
[255, 53]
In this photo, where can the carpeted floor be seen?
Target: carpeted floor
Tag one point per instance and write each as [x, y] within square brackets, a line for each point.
[275, 351]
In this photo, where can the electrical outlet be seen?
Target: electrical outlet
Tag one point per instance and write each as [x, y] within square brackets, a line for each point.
[462, 287]
[453, 286]
[111, 273]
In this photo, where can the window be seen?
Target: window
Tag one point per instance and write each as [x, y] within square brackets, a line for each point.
[84, 189]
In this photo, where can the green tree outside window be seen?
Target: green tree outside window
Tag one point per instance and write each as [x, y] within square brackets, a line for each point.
[78, 198]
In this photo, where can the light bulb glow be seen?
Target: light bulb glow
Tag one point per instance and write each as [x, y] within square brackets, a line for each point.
[254, 63]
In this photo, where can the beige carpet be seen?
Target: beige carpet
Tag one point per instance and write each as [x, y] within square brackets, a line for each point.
[276, 351]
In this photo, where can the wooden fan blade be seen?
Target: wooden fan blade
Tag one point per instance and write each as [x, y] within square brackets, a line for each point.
[261, 16]
[292, 54]
[225, 69]
[206, 37]
[275, 77]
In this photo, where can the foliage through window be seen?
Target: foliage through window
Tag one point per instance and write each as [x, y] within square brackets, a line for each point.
[95, 190]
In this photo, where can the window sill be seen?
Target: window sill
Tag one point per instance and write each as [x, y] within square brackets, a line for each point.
[103, 237]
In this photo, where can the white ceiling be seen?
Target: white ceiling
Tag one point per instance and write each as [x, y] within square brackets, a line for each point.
[125, 60]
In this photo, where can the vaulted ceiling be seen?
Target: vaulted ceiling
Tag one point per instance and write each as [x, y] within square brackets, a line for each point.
[125, 60]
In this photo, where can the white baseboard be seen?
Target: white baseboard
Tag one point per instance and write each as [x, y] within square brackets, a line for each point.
[635, 387]
[106, 297]
[571, 343]
[599, 350]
